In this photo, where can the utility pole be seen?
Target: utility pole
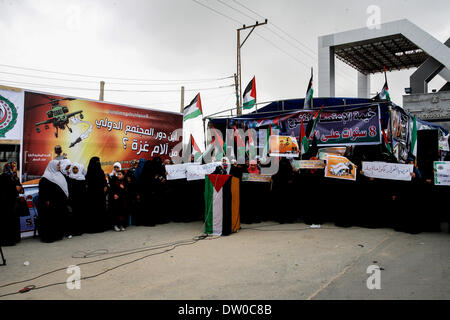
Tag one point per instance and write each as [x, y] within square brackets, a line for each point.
[102, 90]
[236, 87]
[182, 100]
[239, 46]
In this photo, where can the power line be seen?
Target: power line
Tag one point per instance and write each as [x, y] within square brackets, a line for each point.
[226, 4]
[248, 16]
[219, 13]
[116, 78]
[232, 19]
[113, 83]
[112, 90]
[314, 53]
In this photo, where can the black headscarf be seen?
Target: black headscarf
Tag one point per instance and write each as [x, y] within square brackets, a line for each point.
[95, 170]
[138, 170]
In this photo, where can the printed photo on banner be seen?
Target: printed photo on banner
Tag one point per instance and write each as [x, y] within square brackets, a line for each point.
[442, 173]
[389, 171]
[283, 146]
[340, 168]
[85, 128]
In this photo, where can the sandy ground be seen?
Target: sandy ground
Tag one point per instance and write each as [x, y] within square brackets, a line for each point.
[267, 261]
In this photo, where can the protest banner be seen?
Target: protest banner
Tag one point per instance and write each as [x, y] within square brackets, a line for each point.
[252, 177]
[389, 171]
[308, 164]
[198, 172]
[340, 168]
[85, 128]
[176, 171]
[441, 173]
[335, 151]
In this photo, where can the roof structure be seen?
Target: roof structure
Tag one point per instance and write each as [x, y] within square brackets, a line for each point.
[394, 52]
[396, 45]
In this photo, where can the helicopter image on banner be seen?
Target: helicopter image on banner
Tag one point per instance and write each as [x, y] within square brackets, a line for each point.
[58, 115]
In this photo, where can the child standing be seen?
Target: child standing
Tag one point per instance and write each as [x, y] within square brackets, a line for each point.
[118, 197]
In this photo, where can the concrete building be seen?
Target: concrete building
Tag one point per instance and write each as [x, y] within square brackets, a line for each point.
[396, 45]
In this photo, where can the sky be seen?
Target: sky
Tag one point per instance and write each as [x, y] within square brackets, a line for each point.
[145, 50]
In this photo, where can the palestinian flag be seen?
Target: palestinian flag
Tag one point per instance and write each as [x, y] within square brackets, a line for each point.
[197, 152]
[386, 142]
[249, 99]
[304, 140]
[414, 138]
[266, 144]
[251, 146]
[240, 145]
[222, 215]
[194, 109]
[209, 148]
[384, 94]
[311, 127]
[222, 145]
[309, 94]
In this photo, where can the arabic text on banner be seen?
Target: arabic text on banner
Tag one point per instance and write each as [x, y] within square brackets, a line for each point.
[356, 126]
[390, 171]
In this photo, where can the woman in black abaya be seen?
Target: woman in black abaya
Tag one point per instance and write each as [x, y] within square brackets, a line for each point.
[52, 203]
[96, 220]
[283, 192]
[77, 199]
[145, 216]
[9, 217]
[159, 191]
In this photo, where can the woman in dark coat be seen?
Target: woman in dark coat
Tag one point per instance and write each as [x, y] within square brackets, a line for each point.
[159, 191]
[77, 200]
[118, 201]
[96, 194]
[146, 217]
[52, 203]
[133, 200]
[283, 192]
[9, 217]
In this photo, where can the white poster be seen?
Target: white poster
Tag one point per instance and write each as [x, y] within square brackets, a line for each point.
[176, 171]
[443, 143]
[442, 173]
[11, 114]
[390, 171]
[198, 172]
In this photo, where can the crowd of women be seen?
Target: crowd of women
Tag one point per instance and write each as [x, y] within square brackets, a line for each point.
[73, 200]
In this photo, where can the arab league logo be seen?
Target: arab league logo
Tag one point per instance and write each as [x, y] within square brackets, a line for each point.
[8, 116]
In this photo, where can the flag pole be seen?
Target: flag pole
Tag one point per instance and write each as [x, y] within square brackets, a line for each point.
[312, 100]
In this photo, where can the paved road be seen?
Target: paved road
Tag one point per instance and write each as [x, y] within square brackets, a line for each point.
[261, 261]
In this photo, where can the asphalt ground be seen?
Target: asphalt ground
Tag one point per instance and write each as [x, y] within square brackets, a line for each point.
[265, 261]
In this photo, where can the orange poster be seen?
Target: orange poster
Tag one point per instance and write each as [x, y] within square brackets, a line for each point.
[340, 168]
[84, 129]
[283, 146]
